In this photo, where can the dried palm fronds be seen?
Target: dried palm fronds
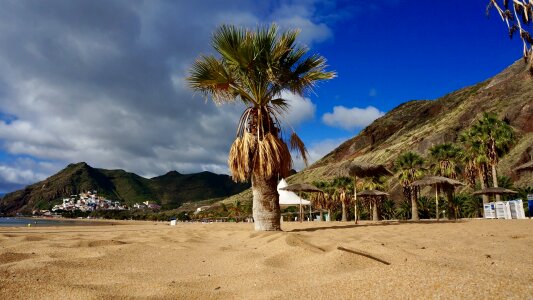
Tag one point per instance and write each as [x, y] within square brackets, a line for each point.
[298, 145]
[517, 22]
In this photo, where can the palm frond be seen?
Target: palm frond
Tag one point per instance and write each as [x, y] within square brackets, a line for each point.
[298, 145]
[272, 157]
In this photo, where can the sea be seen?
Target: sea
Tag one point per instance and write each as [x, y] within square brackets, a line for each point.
[32, 222]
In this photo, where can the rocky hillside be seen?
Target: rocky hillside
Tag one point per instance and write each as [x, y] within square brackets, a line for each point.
[170, 189]
[418, 125]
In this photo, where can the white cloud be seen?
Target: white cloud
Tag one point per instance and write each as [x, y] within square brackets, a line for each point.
[24, 171]
[318, 150]
[351, 118]
[300, 109]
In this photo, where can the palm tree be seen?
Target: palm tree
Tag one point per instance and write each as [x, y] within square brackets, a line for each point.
[343, 185]
[327, 199]
[237, 211]
[319, 199]
[409, 166]
[444, 160]
[493, 138]
[375, 183]
[475, 161]
[255, 67]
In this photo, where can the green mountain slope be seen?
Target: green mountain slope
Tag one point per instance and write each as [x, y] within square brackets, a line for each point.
[170, 190]
[418, 125]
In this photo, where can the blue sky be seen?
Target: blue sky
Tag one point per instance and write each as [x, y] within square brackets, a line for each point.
[103, 81]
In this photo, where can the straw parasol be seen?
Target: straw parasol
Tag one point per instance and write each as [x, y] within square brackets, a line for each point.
[302, 187]
[525, 167]
[361, 169]
[374, 195]
[436, 181]
[494, 191]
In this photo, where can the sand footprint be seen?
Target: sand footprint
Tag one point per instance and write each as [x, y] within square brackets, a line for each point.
[10, 257]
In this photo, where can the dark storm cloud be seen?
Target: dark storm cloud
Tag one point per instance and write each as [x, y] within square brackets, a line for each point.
[103, 81]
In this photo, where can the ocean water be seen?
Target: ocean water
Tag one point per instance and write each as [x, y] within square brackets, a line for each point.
[23, 222]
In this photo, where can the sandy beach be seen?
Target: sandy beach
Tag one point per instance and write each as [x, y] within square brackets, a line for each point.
[464, 259]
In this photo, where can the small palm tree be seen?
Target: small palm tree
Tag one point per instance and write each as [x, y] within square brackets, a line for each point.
[475, 161]
[255, 67]
[403, 210]
[237, 211]
[410, 168]
[524, 191]
[388, 209]
[375, 183]
[444, 159]
[343, 185]
[325, 200]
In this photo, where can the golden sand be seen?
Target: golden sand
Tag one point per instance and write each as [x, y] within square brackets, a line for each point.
[466, 259]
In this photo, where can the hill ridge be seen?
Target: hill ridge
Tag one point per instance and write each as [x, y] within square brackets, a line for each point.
[417, 125]
[171, 189]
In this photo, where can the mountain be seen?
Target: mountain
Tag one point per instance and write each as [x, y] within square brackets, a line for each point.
[170, 189]
[418, 125]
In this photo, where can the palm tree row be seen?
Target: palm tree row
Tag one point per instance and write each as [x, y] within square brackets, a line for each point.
[482, 146]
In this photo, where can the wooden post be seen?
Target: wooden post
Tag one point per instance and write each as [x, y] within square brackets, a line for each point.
[437, 200]
[301, 211]
[355, 198]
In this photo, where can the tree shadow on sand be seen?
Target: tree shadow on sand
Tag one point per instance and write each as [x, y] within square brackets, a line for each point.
[382, 223]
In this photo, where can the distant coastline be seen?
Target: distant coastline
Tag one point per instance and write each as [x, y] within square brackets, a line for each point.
[47, 222]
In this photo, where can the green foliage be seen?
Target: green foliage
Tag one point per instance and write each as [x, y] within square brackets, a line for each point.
[484, 143]
[403, 210]
[388, 209]
[426, 207]
[469, 206]
[524, 191]
[409, 167]
[444, 158]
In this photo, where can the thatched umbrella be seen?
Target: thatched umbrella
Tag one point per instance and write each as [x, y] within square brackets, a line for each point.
[374, 195]
[436, 181]
[302, 187]
[525, 167]
[494, 191]
[361, 169]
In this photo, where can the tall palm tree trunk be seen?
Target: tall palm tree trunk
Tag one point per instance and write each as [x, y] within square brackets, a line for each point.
[375, 214]
[344, 219]
[451, 208]
[482, 183]
[495, 180]
[437, 210]
[414, 205]
[266, 211]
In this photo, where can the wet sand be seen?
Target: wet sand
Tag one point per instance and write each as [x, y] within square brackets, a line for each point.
[466, 259]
